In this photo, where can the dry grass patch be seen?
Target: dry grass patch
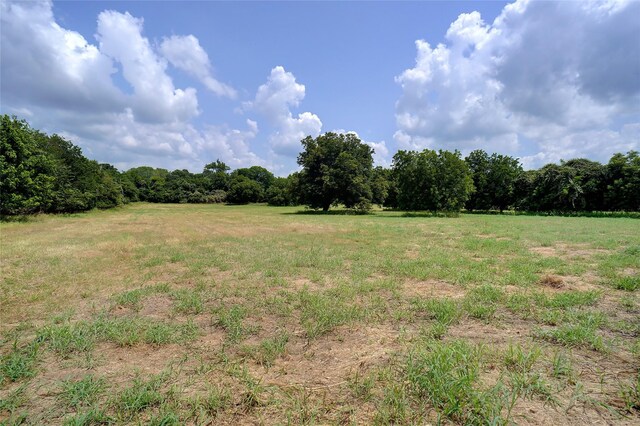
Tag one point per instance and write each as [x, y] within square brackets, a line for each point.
[567, 251]
[552, 281]
[329, 360]
[432, 289]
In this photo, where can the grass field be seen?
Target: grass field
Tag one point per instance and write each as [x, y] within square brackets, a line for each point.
[200, 314]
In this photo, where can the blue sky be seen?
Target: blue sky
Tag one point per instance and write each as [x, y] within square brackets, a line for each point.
[180, 84]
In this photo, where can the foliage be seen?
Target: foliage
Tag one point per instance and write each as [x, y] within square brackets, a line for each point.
[42, 173]
[336, 168]
[494, 180]
[243, 190]
[26, 183]
[283, 191]
[623, 182]
[430, 180]
[257, 174]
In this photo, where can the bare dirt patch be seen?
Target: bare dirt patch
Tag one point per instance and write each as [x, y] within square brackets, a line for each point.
[491, 334]
[567, 251]
[121, 364]
[301, 283]
[432, 289]
[329, 360]
[156, 307]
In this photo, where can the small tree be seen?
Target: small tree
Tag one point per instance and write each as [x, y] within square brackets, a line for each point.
[243, 190]
[336, 168]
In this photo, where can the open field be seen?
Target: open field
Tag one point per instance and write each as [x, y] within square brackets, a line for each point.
[199, 314]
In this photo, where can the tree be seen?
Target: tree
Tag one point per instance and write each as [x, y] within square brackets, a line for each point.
[480, 167]
[380, 184]
[590, 175]
[243, 190]
[430, 180]
[180, 186]
[523, 189]
[555, 188]
[282, 191]
[26, 182]
[216, 176]
[149, 182]
[336, 168]
[258, 174]
[623, 182]
[493, 178]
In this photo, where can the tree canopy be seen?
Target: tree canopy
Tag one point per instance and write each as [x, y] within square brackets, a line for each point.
[430, 180]
[47, 173]
[336, 168]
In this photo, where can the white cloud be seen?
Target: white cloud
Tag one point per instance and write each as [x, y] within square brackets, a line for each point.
[63, 83]
[274, 101]
[155, 98]
[185, 52]
[558, 73]
[45, 64]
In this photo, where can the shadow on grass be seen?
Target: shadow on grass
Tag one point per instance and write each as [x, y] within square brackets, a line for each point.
[612, 214]
[430, 214]
[17, 218]
[331, 213]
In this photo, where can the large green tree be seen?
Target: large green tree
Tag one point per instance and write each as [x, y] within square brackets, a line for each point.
[216, 176]
[494, 179]
[26, 181]
[336, 168]
[590, 175]
[623, 182]
[555, 188]
[430, 180]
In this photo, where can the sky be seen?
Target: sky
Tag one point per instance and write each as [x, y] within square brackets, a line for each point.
[180, 84]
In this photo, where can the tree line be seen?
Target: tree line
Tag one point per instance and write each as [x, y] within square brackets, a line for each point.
[47, 173]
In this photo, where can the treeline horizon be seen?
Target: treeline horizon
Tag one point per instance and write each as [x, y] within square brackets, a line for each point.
[42, 173]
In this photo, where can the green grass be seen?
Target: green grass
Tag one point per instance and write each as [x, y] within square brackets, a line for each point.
[231, 319]
[188, 302]
[269, 349]
[19, 363]
[627, 283]
[66, 339]
[260, 314]
[209, 406]
[141, 395]
[322, 312]
[447, 376]
[13, 401]
[83, 392]
[582, 334]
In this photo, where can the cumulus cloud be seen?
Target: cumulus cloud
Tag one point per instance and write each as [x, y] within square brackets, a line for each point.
[556, 73]
[274, 101]
[45, 64]
[185, 53]
[64, 83]
[155, 97]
